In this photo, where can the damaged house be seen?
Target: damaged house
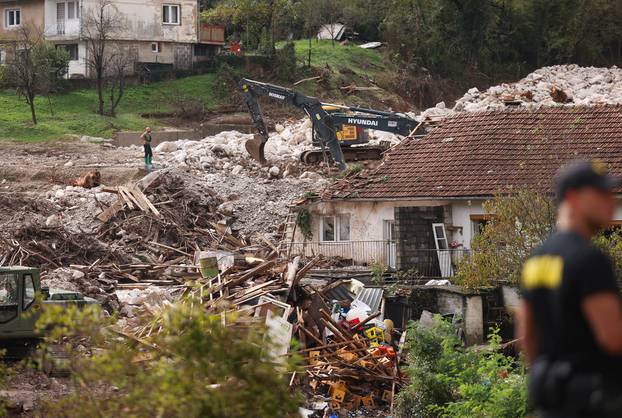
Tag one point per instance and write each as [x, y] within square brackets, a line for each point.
[158, 34]
[422, 207]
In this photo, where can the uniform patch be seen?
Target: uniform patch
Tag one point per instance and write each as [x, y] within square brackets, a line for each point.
[543, 271]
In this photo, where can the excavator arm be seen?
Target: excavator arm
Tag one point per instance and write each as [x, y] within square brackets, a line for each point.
[323, 123]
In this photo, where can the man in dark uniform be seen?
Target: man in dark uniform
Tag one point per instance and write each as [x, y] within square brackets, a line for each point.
[146, 137]
[570, 319]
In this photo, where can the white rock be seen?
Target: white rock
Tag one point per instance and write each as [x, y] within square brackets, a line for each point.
[166, 146]
[279, 128]
[237, 170]
[52, 221]
[68, 164]
[274, 172]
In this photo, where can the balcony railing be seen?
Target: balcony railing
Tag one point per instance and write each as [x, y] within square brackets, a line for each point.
[427, 263]
[60, 27]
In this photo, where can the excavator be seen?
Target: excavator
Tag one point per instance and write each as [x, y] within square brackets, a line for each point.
[340, 129]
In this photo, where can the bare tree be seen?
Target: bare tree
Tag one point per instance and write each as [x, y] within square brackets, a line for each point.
[101, 24]
[33, 66]
[120, 63]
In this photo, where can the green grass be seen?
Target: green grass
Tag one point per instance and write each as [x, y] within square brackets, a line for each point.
[367, 62]
[74, 112]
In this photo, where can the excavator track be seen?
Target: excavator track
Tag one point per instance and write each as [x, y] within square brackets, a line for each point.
[350, 154]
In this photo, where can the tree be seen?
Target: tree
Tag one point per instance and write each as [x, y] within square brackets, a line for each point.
[101, 24]
[190, 365]
[519, 223]
[119, 64]
[34, 66]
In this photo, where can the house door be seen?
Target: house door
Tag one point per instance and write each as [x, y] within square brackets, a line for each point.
[60, 18]
[389, 237]
[442, 250]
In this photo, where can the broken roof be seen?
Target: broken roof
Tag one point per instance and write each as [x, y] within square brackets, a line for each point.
[480, 154]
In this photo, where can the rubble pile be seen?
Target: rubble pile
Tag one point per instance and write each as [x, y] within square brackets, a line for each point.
[138, 239]
[559, 85]
[351, 358]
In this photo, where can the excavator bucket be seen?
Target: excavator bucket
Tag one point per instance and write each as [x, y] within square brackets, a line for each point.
[255, 148]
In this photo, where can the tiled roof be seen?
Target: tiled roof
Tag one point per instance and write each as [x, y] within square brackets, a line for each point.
[480, 154]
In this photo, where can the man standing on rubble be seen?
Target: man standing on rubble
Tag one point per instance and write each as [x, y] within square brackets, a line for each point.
[146, 137]
[570, 319]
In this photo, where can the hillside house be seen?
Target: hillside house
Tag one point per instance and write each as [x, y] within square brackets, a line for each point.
[158, 33]
[422, 207]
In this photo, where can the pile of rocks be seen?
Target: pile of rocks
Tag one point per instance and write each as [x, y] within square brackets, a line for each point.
[226, 152]
[559, 85]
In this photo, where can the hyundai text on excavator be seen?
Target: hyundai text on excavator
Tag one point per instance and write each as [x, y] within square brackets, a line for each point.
[341, 129]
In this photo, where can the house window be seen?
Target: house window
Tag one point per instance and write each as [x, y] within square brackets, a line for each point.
[12, 18]
[156, 47]
[29, 291]
[478, 223]
[72, 49]
[335, 228]
[170, 14]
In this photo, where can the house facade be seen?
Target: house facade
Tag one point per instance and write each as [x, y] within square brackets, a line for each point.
[423, 206]
[164, 33]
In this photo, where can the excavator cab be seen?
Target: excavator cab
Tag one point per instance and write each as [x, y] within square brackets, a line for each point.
[347, 135]
[20, 307]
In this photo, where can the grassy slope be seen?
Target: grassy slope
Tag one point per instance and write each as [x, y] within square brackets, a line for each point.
[365, 62]
[349, 65]
[74, 112]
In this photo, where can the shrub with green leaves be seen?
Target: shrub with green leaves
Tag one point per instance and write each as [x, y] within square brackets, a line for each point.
[189, 365]
[519, 222]
[448, 380]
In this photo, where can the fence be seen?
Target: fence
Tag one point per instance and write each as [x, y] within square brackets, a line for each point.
[430, 263]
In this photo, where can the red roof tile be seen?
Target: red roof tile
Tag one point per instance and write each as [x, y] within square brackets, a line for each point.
[479, 154]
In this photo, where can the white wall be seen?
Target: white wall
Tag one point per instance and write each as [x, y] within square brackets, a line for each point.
[461, 211]
[366, 218]
[144, 20]
[78, 66]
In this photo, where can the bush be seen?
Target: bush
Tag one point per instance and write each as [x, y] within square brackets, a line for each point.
[189, 365]
[519, 223]
[285, 62]
[447, 380]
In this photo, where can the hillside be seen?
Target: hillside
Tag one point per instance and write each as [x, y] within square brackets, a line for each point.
[348, 75]
[73, 113]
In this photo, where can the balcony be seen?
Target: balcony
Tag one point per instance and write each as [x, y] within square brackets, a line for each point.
[428, 263]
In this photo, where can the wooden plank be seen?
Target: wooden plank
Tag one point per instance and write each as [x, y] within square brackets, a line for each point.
[112, 210]
[140, 196]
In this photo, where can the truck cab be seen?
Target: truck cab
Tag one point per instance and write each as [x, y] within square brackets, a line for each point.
[19, 306]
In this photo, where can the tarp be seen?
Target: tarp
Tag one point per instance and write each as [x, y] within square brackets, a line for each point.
[331, 31]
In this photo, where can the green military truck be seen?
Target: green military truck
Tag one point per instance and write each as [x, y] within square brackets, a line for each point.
[20, 308]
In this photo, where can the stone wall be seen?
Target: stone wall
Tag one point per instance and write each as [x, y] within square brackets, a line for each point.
[413, 230]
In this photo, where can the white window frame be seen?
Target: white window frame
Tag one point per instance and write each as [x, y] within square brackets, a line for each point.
[157, 49]
[337, 219]
[7, 12]
[171, 7]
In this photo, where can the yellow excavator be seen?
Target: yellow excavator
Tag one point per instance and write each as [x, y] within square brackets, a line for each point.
[342, 130]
